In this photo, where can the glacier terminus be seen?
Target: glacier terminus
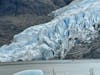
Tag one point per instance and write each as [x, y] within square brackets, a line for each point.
[72, 24]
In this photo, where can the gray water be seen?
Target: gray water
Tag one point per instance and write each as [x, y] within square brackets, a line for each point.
[54, 67]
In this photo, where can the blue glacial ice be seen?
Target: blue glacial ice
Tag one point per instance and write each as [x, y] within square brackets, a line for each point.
[77, 21]
[30, 72]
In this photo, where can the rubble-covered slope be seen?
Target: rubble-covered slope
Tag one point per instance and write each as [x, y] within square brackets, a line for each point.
[78, 22]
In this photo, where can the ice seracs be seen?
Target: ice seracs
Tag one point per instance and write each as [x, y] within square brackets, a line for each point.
[72, 24]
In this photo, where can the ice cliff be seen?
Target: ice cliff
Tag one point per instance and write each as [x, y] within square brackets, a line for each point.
[75, 23]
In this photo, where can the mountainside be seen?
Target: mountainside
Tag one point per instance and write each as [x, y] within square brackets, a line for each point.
[73, 25]
[36, 7]
[17, 15]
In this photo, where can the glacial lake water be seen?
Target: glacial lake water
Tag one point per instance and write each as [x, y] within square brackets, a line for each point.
[54, 67]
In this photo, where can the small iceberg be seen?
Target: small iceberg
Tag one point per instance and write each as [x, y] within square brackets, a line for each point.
[30, 72]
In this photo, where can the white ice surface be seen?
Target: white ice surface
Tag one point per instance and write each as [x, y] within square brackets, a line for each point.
[55, 38]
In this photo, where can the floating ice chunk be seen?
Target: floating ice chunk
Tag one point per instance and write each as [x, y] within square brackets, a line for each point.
[30, 72]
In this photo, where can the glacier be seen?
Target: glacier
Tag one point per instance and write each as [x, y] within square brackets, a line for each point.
[72, 24]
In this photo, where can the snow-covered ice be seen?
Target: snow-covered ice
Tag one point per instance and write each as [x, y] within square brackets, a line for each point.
[77, 21]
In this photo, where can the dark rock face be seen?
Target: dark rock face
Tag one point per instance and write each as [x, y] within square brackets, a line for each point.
[85, 50]
[17, 15]
[61, 2]
[94, 49]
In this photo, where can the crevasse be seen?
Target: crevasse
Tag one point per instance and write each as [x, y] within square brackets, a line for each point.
[71, 24]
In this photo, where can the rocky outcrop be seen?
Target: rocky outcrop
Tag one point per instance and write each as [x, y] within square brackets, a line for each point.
[85, 50]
